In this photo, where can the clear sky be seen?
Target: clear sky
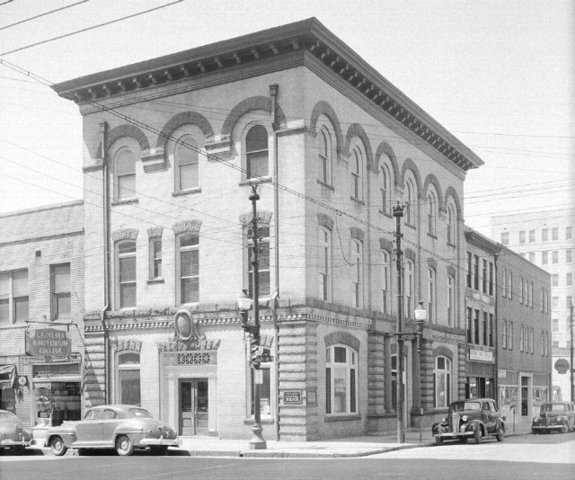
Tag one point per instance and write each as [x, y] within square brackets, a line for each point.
[499, 74]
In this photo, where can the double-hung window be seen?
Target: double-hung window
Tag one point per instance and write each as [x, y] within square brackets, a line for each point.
[189, 267]
[357, 264]
[14, 296]
[186, 159]
[341, 380]
[385, 282]
[126, 273]
[264, 284]
[125, 175]
[257, 152]
[60, 291]
[324, 263]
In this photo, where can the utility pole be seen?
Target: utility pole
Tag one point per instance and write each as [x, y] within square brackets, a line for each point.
[398, 214]
[257, 442]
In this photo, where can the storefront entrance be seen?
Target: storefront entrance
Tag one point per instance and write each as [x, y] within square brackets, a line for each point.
[193, 406]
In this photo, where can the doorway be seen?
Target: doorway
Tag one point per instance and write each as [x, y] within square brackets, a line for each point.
[193, 407]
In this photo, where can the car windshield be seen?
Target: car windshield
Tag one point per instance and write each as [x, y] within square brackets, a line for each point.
[550, 407]
[139, 412]
[460, 406]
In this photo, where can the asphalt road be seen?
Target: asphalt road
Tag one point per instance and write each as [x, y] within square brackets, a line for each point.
[528, 457]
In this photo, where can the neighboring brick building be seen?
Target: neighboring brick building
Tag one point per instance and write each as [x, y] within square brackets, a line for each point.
[545, 238]
[181, 140]
[41, 313]
[524, 340]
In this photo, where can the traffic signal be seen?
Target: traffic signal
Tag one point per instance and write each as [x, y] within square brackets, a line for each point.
[255, 350]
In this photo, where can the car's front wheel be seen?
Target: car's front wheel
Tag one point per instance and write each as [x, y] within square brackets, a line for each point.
[438, 441]
[124, 446]
[500, 435]
[58, 447]
[565, 428]
[159, 450]
[477, 434]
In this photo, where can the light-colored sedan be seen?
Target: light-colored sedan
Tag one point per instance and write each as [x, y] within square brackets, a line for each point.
[122, 427]
[13, 435]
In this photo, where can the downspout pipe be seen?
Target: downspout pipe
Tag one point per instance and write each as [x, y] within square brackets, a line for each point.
[274, 90]
[106, 242]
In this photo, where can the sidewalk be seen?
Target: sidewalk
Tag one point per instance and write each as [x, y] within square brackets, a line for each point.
[341, 447]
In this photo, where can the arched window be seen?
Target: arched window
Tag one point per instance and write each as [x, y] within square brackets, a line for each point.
[186, 163]
[126, 274]
[431, 213]
[409, 287]
[124, 174]
[442, 382]
[431, 288]
[410, 203]
[324, 156]
[385, 281]
[340, 380]
[451, 225]
[324, 263]
[357, 276]
[385, 190]
[257, 152]
[128, 375]
[188, 245]
[356, 176]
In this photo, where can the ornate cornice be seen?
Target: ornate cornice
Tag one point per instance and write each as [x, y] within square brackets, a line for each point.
[301, 38]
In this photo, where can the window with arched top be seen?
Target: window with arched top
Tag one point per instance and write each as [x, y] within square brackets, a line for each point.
[125, 274]
[442, 382]
[186, 160]
[324, 156]
[385, 281]
[128, 390]
[410, 204]
[341, 377]
[385, 190]
[431, 292]
[451, 232]
[356, 174]
[431, 213]
[124, 174]
[257, 152]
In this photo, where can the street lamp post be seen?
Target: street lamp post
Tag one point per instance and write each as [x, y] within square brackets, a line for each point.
[572, 385]
[257, 441]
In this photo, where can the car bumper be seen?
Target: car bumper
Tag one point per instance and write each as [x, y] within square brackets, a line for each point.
[544, 428]
[8, 442]
[454, 434]
[150, 442]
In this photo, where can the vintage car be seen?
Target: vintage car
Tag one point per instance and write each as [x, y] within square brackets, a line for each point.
[554, 416]
[474, 418]
[122, 427]
[13, 435]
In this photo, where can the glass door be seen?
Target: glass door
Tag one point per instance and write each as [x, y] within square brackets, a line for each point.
[194, 407]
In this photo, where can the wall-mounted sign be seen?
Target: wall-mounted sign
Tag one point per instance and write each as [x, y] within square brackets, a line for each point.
[292, 397]
[49, 342]
[481, 355]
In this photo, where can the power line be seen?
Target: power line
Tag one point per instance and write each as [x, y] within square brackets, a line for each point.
[43, 14]
[59, 37]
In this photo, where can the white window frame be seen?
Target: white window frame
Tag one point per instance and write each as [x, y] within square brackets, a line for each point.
[120, 177]
[450, 300]
[357, 282]
[180, 277]
[385, 190]
[156, 260]
[324, 156]
[356, 174]
[11, 298]
[347, 371]
[188, 142]
[60, 269]
[247, 153]
[324, 241]
[385, 281]
[431, 294]
[409, 287]
[126, 367]
[119, 283]
[264, 245]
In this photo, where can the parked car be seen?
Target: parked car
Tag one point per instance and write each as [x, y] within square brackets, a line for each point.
[554, 416]
[122, 427]
[474, 418]
[13, 435]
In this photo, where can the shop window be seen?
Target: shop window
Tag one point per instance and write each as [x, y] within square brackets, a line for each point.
[126, 274]
[257, 152]
[442, 382]
[60, 291]
[13, 296]
[341, 380]
[124, 174]
[264, 273]
[7, 397]
[188, 245]
[128, 379]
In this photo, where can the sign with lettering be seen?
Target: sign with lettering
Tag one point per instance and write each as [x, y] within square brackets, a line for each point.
[292, 397]
[481, 355]
[49, 342]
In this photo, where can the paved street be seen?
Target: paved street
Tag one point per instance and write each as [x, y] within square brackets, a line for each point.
[525, 457]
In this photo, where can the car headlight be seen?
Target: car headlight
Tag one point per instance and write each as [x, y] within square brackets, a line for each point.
[444, 420]
[464, 418]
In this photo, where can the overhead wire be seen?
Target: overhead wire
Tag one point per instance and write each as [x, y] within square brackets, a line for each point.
[29, 19]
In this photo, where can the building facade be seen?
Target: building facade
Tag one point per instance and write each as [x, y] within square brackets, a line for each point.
[545, 238]
[175, 146]
[41, 313]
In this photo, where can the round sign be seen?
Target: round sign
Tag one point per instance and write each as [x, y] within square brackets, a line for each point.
[561, 366]
[183, 325]
[22, 380]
